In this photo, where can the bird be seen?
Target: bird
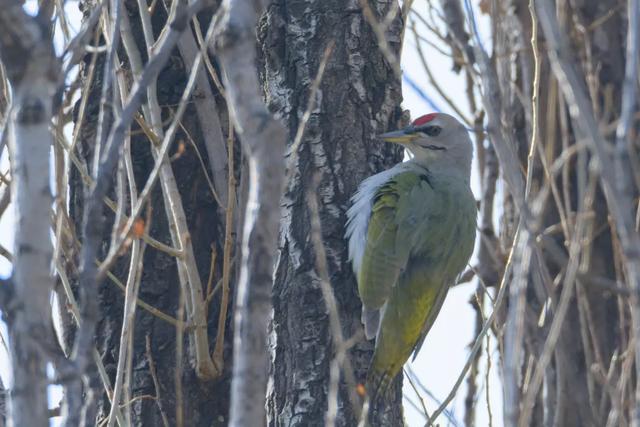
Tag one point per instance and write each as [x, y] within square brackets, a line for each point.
[411, 231]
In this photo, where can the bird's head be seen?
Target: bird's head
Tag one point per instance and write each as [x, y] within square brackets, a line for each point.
[437, 141]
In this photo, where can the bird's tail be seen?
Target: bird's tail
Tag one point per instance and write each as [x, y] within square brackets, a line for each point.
[378, 383]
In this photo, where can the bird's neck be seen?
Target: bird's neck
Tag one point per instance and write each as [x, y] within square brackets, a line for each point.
[444, 168]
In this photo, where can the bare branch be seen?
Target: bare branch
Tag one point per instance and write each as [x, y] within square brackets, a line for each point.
[208, 117]
[156, 383]
[187, 268]
[92, 222]
[618, 202]
[76, 46]
[380, 29]
[263, 139]
[228, 248]
[340, 360]
[477, 345]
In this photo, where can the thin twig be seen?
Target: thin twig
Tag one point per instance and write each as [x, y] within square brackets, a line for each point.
[616, 193]
[479, 339]
[179, 361]
[92, 222]
[131, 295]
[334, 317]
[418, 395]
[218, 358]
[380, 29]
[156, 382]
[112, 22]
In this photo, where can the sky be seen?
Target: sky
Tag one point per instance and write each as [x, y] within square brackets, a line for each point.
[446, 348]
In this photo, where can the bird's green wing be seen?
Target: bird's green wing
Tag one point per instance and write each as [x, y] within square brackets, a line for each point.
[399, 209]
[438, 228]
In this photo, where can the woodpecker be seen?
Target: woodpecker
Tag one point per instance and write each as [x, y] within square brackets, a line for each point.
[411, 232]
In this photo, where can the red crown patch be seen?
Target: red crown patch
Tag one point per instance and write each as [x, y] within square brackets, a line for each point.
[424, 119]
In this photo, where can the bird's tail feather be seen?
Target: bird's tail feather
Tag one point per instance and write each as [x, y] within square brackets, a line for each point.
[378, 384]
[371, 321]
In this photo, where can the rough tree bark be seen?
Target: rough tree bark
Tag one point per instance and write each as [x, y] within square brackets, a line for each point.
[358, 98]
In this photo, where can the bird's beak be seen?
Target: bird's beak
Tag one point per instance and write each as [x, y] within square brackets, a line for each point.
[401, 137]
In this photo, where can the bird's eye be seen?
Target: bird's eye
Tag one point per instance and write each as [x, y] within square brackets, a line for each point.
[432, 130]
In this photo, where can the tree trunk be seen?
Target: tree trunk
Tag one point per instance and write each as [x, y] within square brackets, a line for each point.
[28, 57]
[358, 98]
[559, 106]
[158, 399]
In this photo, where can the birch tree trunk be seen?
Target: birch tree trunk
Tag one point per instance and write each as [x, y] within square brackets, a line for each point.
[31, 67]
[358, 97]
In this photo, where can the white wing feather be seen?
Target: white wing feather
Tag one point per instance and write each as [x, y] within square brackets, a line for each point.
[357, 227]
[360, 211]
